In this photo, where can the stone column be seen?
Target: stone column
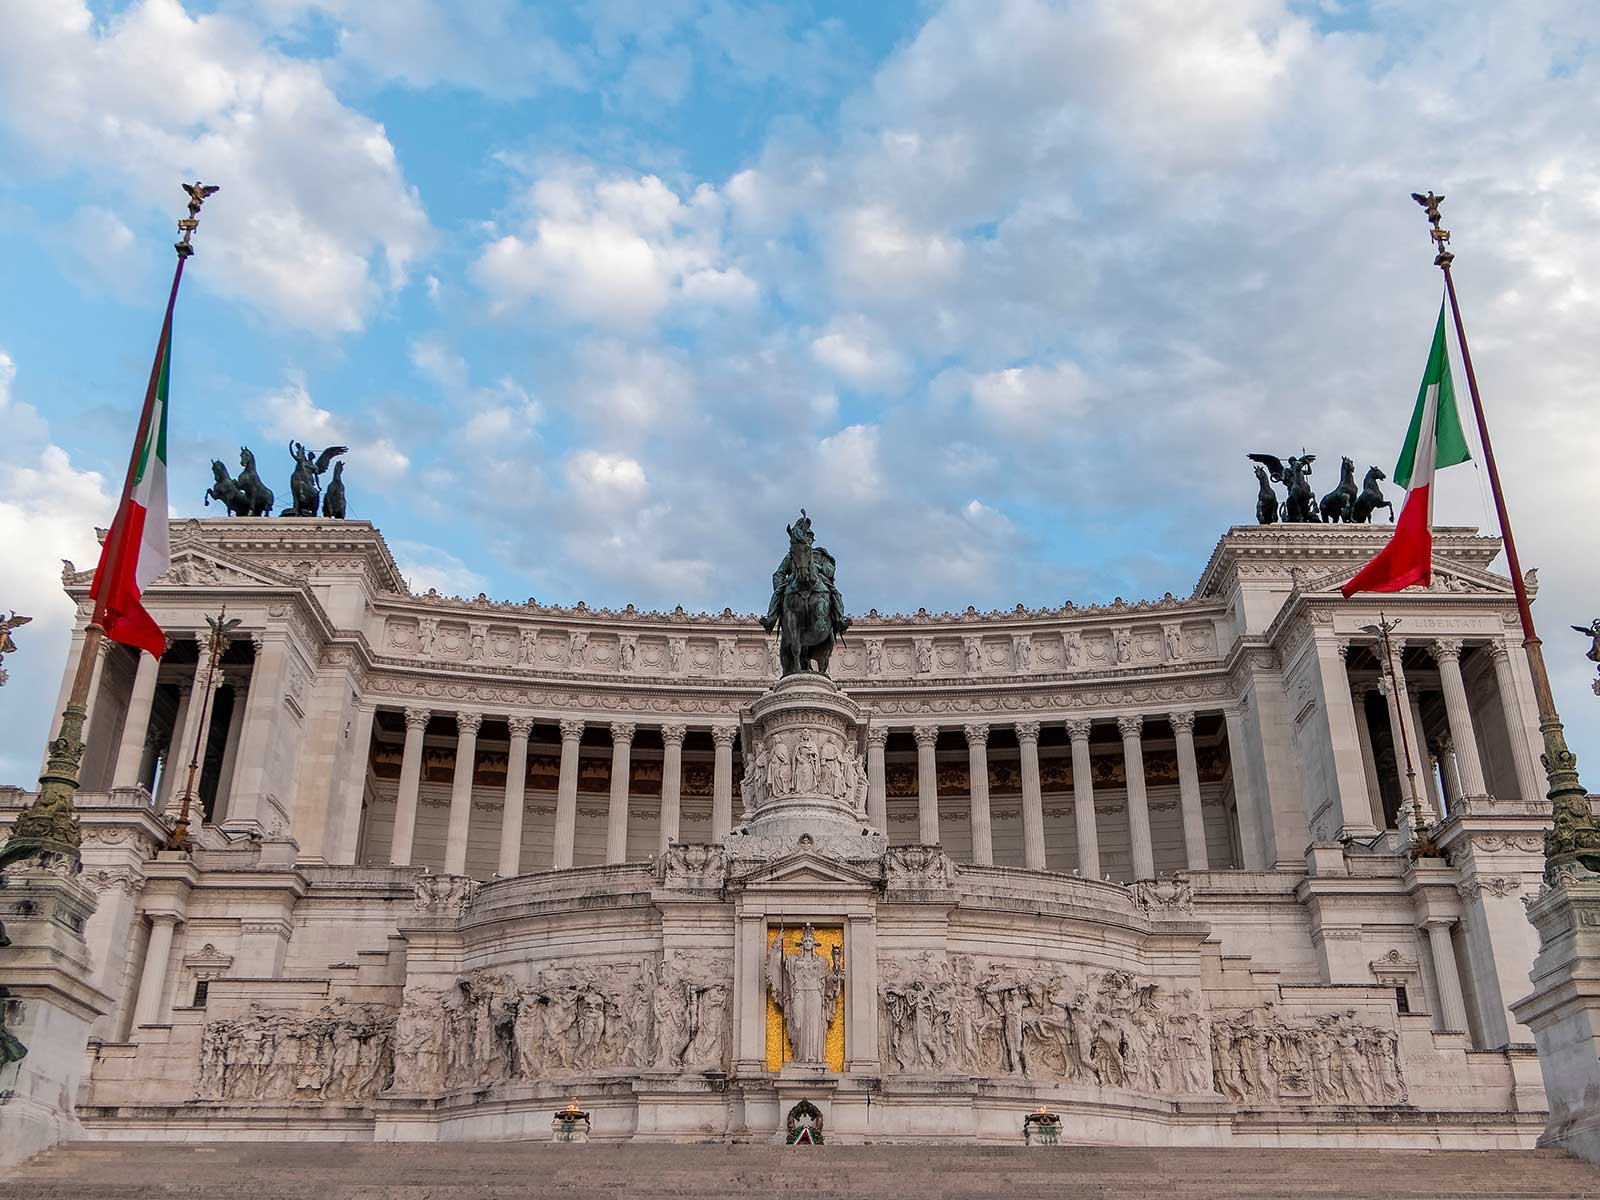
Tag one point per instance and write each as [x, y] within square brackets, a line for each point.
[196, 733]
[1452, 1008]
[722, 781]
[1247, 804]
[927, 784]
[230, 752]
[1032, 800]
[130, 752]
[151, 1005]
[516, 794]
[1427, 764]
[1448, 768]
[1369, 758]
[861, 1052]
[94, 685]
[405, 805]
[1407, 798]
[978, 790]
[1447, 653]
[877, 779]
[455, 850]
[671, 784]
[1355, 809]
[1194, 824]
[617, 815]
[1083, 800]
[1528, 777]
[567, 794]
[1144, 861]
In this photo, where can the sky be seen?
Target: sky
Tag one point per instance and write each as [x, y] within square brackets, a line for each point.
[600, 293]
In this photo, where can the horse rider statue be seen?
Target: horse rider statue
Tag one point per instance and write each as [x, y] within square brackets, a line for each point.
[806, 606]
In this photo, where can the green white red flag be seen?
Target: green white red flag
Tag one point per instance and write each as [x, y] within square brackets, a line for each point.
[1434, 440]
[136, 548]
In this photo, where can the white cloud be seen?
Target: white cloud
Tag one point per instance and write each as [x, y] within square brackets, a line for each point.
[289, 413]
[606, 480]
[423, 567]
[48, 511]
[439, 362]
[315, 224]
[856, 350]
[1036, 398]
[613, 251]
[850, 465]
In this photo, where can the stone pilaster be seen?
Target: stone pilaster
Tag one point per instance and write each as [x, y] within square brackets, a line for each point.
[349, 796]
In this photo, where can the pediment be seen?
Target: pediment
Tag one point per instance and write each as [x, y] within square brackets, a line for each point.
[193, 566]
[1448, 577]
[806, 869]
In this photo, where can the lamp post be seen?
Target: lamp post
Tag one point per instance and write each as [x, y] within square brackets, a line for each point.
[1422, 840]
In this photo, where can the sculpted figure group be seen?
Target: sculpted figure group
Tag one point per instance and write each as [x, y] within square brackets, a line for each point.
[803, 764]
[1345, 503]
[960, 1015]
[248, 496]
[1102, 1028]
[342, 1052]
[489, 1029]
[1333, 1059]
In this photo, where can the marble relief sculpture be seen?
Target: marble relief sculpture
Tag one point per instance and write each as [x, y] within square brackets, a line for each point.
[341, 1052]
[488, 1029]
[1260, 1058]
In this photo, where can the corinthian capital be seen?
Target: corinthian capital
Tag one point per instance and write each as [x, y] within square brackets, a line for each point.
[417, 718]
[926, 735]
[571, 731]
[622, 731]
[977, 735]
[1129, 727]
[1445, 650]
[1027, 731]
[468, 722]
[1079, 728]
[1182, 722]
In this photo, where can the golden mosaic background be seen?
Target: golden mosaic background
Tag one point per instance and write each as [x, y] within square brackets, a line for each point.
[778, 1048]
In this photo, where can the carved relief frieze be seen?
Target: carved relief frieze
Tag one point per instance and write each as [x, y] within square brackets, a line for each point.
[342, 1052]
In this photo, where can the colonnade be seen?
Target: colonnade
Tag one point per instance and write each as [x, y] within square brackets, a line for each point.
[510, 850]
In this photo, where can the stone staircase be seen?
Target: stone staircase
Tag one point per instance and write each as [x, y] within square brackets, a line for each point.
[470, 1171]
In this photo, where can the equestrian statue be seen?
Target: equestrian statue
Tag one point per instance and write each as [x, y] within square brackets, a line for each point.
[806, 607]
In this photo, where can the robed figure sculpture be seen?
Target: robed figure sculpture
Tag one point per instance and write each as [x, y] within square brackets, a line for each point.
[806, 986]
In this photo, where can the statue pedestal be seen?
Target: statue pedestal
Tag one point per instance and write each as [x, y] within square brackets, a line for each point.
[48, 1006]
[806, 783]
[1564, 1012]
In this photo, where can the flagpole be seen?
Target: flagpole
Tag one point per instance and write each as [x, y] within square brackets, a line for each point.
[1575, 834]
[50, 824]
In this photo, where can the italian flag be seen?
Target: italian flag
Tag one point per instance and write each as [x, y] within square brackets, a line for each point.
[136, 549]
[1433, 441]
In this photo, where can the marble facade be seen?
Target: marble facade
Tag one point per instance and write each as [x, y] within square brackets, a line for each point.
[463, 860]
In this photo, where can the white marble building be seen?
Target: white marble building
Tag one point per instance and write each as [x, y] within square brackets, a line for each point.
[463, 860]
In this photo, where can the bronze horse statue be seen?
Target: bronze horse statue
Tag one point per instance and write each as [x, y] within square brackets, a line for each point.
[1295, 473]
[1266, 499]
[245, 496]
[1370, 499]
[1338, 504]
[806, 638]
